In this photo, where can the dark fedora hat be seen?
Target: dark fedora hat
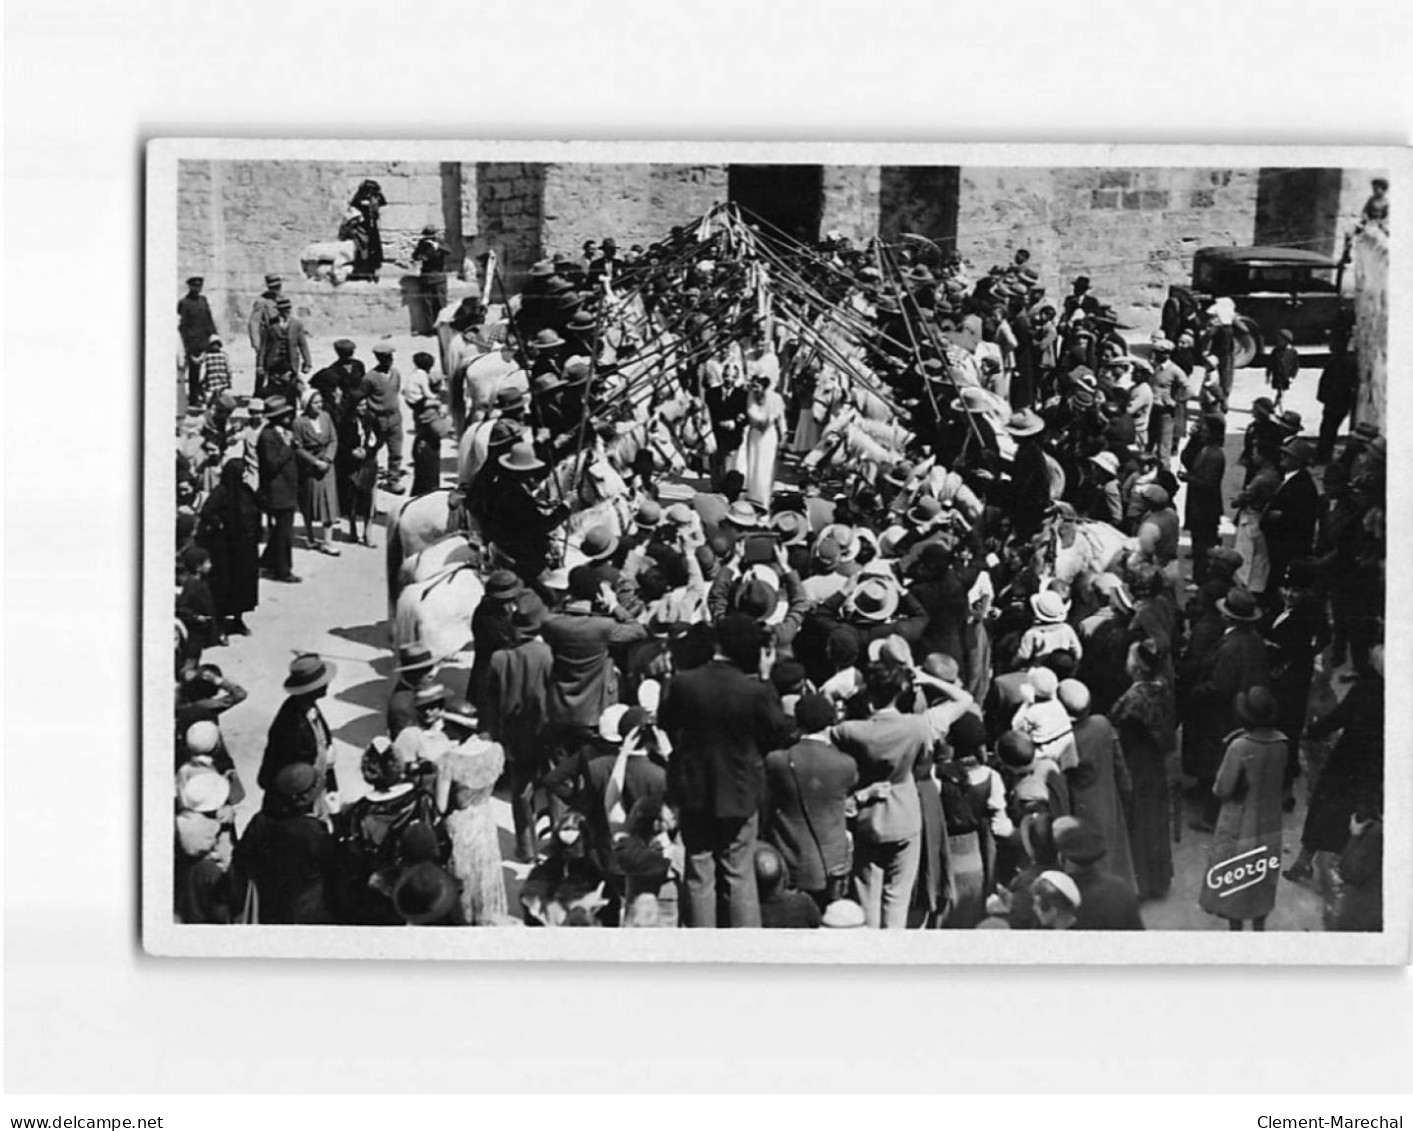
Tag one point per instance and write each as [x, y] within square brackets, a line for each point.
[503, 585]
[424, 894]
[307, 673]
[1239, 605]
[530, 613]
[1256, 707]
[546, 339]
[276, 407]
[1081, 842]
[415, 657]
[522, 457]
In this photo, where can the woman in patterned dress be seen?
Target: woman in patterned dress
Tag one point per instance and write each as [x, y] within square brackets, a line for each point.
[467, 774]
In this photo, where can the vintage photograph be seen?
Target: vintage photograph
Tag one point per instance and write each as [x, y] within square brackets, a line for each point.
[672, 537]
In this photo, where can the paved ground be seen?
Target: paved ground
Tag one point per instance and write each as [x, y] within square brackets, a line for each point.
[340, 612]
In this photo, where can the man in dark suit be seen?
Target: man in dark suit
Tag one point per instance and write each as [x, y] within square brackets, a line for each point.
[299, 732]
[808, 785]
[196, 326]
[1290, 518]
[722, 720]
[1106, 903]
[726, 404]
[279, 489]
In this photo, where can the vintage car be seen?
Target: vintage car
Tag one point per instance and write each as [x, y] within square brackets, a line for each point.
[1272, 288]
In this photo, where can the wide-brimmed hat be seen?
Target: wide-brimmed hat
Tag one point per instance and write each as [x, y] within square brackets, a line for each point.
[1079, 841]
[546, 382]
[1239, 605]
[577, 371]
[598, 543]
[1107, 460]
[204, 791]
[1062, 883]
[309, 672]
[430, 694]
[546, 339]
[297, 782]
[611, 722]
[530, 613]
[843, 914]
[581, 320]
[509, 398]
[743, 514]
[648, 516]
[1162, 345]
[1049, 607]
[1291, 421]
[503, 585]
[276, 407]
[971, 398]
[415, 657]
[463, 713]
[875, 598]
[1300, 450]
[1025, 423]
[1256, 707]
[925, 510]
[792, 526]
[522, 457]
[542, 269]
[424, 894]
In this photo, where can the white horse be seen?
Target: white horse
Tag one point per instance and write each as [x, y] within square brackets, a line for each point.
[1070, 548]
[435, 606]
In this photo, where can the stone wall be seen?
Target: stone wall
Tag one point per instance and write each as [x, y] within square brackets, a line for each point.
[850, 200]
[510, 208]
[1132, 231]
[631, 203]
[921, 199]
[239, 220]
[1371, 325]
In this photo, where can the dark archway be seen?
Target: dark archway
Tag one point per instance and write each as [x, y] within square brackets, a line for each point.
[1299, 208]
[791, 197]
[924, 199]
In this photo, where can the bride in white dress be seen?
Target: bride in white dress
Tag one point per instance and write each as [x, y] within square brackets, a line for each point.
[765, 427]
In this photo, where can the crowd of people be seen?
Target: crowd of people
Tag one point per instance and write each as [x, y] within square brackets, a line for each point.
[968, 682]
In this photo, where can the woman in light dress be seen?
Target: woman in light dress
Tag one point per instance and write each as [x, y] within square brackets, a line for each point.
[765, 427]
[467, 773]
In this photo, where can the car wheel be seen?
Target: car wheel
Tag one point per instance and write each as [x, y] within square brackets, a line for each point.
[1248, 343]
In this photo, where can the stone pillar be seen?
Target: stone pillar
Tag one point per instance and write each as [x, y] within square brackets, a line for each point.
[850, 201]
[1371, 325]
[510, 206]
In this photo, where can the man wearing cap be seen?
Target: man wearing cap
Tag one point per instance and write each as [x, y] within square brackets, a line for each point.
[262, 313]
[1204, 463]
[514, 711]
[278, 492]
[1293, 512]
[197, 327]
[1107, 903]
[341, 376]
[285, 353]
[1168, 385]
[382, 386]
[432, 255]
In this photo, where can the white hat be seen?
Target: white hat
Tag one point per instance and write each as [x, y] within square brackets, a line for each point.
[204, 791]
[609, 722]
[1062, 884]
[843, 913]
[202, 737]
[649, 694]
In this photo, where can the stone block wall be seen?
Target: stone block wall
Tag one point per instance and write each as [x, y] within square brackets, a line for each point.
[1131, 230]
[1371, 325]
[510, 208]
[239, 220]
[850, 201]
[631, 203]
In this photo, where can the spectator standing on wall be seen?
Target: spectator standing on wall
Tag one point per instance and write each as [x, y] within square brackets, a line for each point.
[431, 254]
